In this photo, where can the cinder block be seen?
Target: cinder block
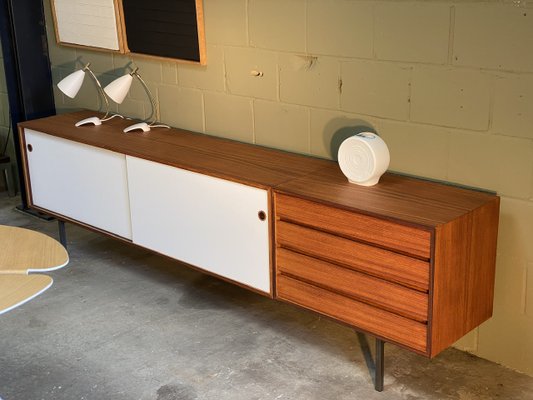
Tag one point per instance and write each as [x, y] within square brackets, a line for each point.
[225, 22]
[149, 69]
[340, 28]
[509, 324]
[181, 107]
[330, 128]
[531, 190]
[513, 329]
[513, 104]
[139, 93]
[510, 282]
[281, 126]
[516, 228]
[208, 77]
[376, 88]
[499, 163]
[135, 109]
[415, 149]
[496, 36]
[229, 116]
[450, 97]
[310, 81]
[62, 55]
[277, 24]
[169, 72]
[417, 32]
[240, 61]
[122, 63]
[529, 290]
[101, 62]
[468, 342]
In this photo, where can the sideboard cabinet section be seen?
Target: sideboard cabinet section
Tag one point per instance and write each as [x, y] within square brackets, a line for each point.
[80, 182]
[421, 287]
[218, 225]
[409, 261]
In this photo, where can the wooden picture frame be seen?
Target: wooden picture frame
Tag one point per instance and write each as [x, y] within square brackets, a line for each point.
[92, 26]
[125, 31]
[165, 29]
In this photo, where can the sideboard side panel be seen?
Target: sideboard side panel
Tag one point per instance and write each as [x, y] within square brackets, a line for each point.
[463, 275]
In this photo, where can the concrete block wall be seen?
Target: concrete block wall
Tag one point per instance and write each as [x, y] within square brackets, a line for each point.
[447, 84]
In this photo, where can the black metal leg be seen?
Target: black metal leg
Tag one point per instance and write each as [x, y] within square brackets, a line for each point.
[376, 364]
[380, 365]
[62, 233]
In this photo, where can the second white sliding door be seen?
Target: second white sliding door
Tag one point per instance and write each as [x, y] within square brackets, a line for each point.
[204, 221]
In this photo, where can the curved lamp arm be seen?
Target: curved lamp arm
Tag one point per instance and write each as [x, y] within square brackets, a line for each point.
[100, 90]
[155, 107]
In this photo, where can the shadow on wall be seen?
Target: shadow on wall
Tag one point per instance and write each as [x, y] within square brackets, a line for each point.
[339, 129]
[89, 96]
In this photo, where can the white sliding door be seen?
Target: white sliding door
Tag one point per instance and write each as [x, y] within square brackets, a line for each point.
[78, 181]
[207, 222]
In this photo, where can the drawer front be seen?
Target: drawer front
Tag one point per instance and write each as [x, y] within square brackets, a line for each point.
[378, 262]
[378, 292]
[389, 326]
[405, 239]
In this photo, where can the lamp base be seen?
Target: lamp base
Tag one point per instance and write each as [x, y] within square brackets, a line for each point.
[144, 127]
[89, 121]
[96, 120]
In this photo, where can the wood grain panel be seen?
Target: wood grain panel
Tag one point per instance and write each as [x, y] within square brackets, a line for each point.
[382, 263]
[384, 233]
[363, 316]
[16, 290]
[416, 201]
[24, 250]
[395, 298]
[221, 158]
[463, 275]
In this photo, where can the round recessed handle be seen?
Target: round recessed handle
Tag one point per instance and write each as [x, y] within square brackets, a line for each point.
[30, 148]
[262, 215]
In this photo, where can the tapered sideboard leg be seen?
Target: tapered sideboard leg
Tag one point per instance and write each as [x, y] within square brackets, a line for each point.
[375, 364]
[62, 233]
[380, 365]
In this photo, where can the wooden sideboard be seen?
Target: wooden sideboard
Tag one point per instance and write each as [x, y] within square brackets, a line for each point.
[409, 261]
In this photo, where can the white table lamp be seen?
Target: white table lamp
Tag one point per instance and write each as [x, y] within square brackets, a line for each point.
[119, 88]
[70, 86]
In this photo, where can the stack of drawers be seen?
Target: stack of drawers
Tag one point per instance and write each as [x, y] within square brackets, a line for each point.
[368, 272]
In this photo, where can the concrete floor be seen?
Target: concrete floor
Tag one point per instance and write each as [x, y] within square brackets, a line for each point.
[122, 323]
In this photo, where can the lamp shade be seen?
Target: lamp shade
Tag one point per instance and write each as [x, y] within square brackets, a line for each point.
[118, 89]
[71, 84]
